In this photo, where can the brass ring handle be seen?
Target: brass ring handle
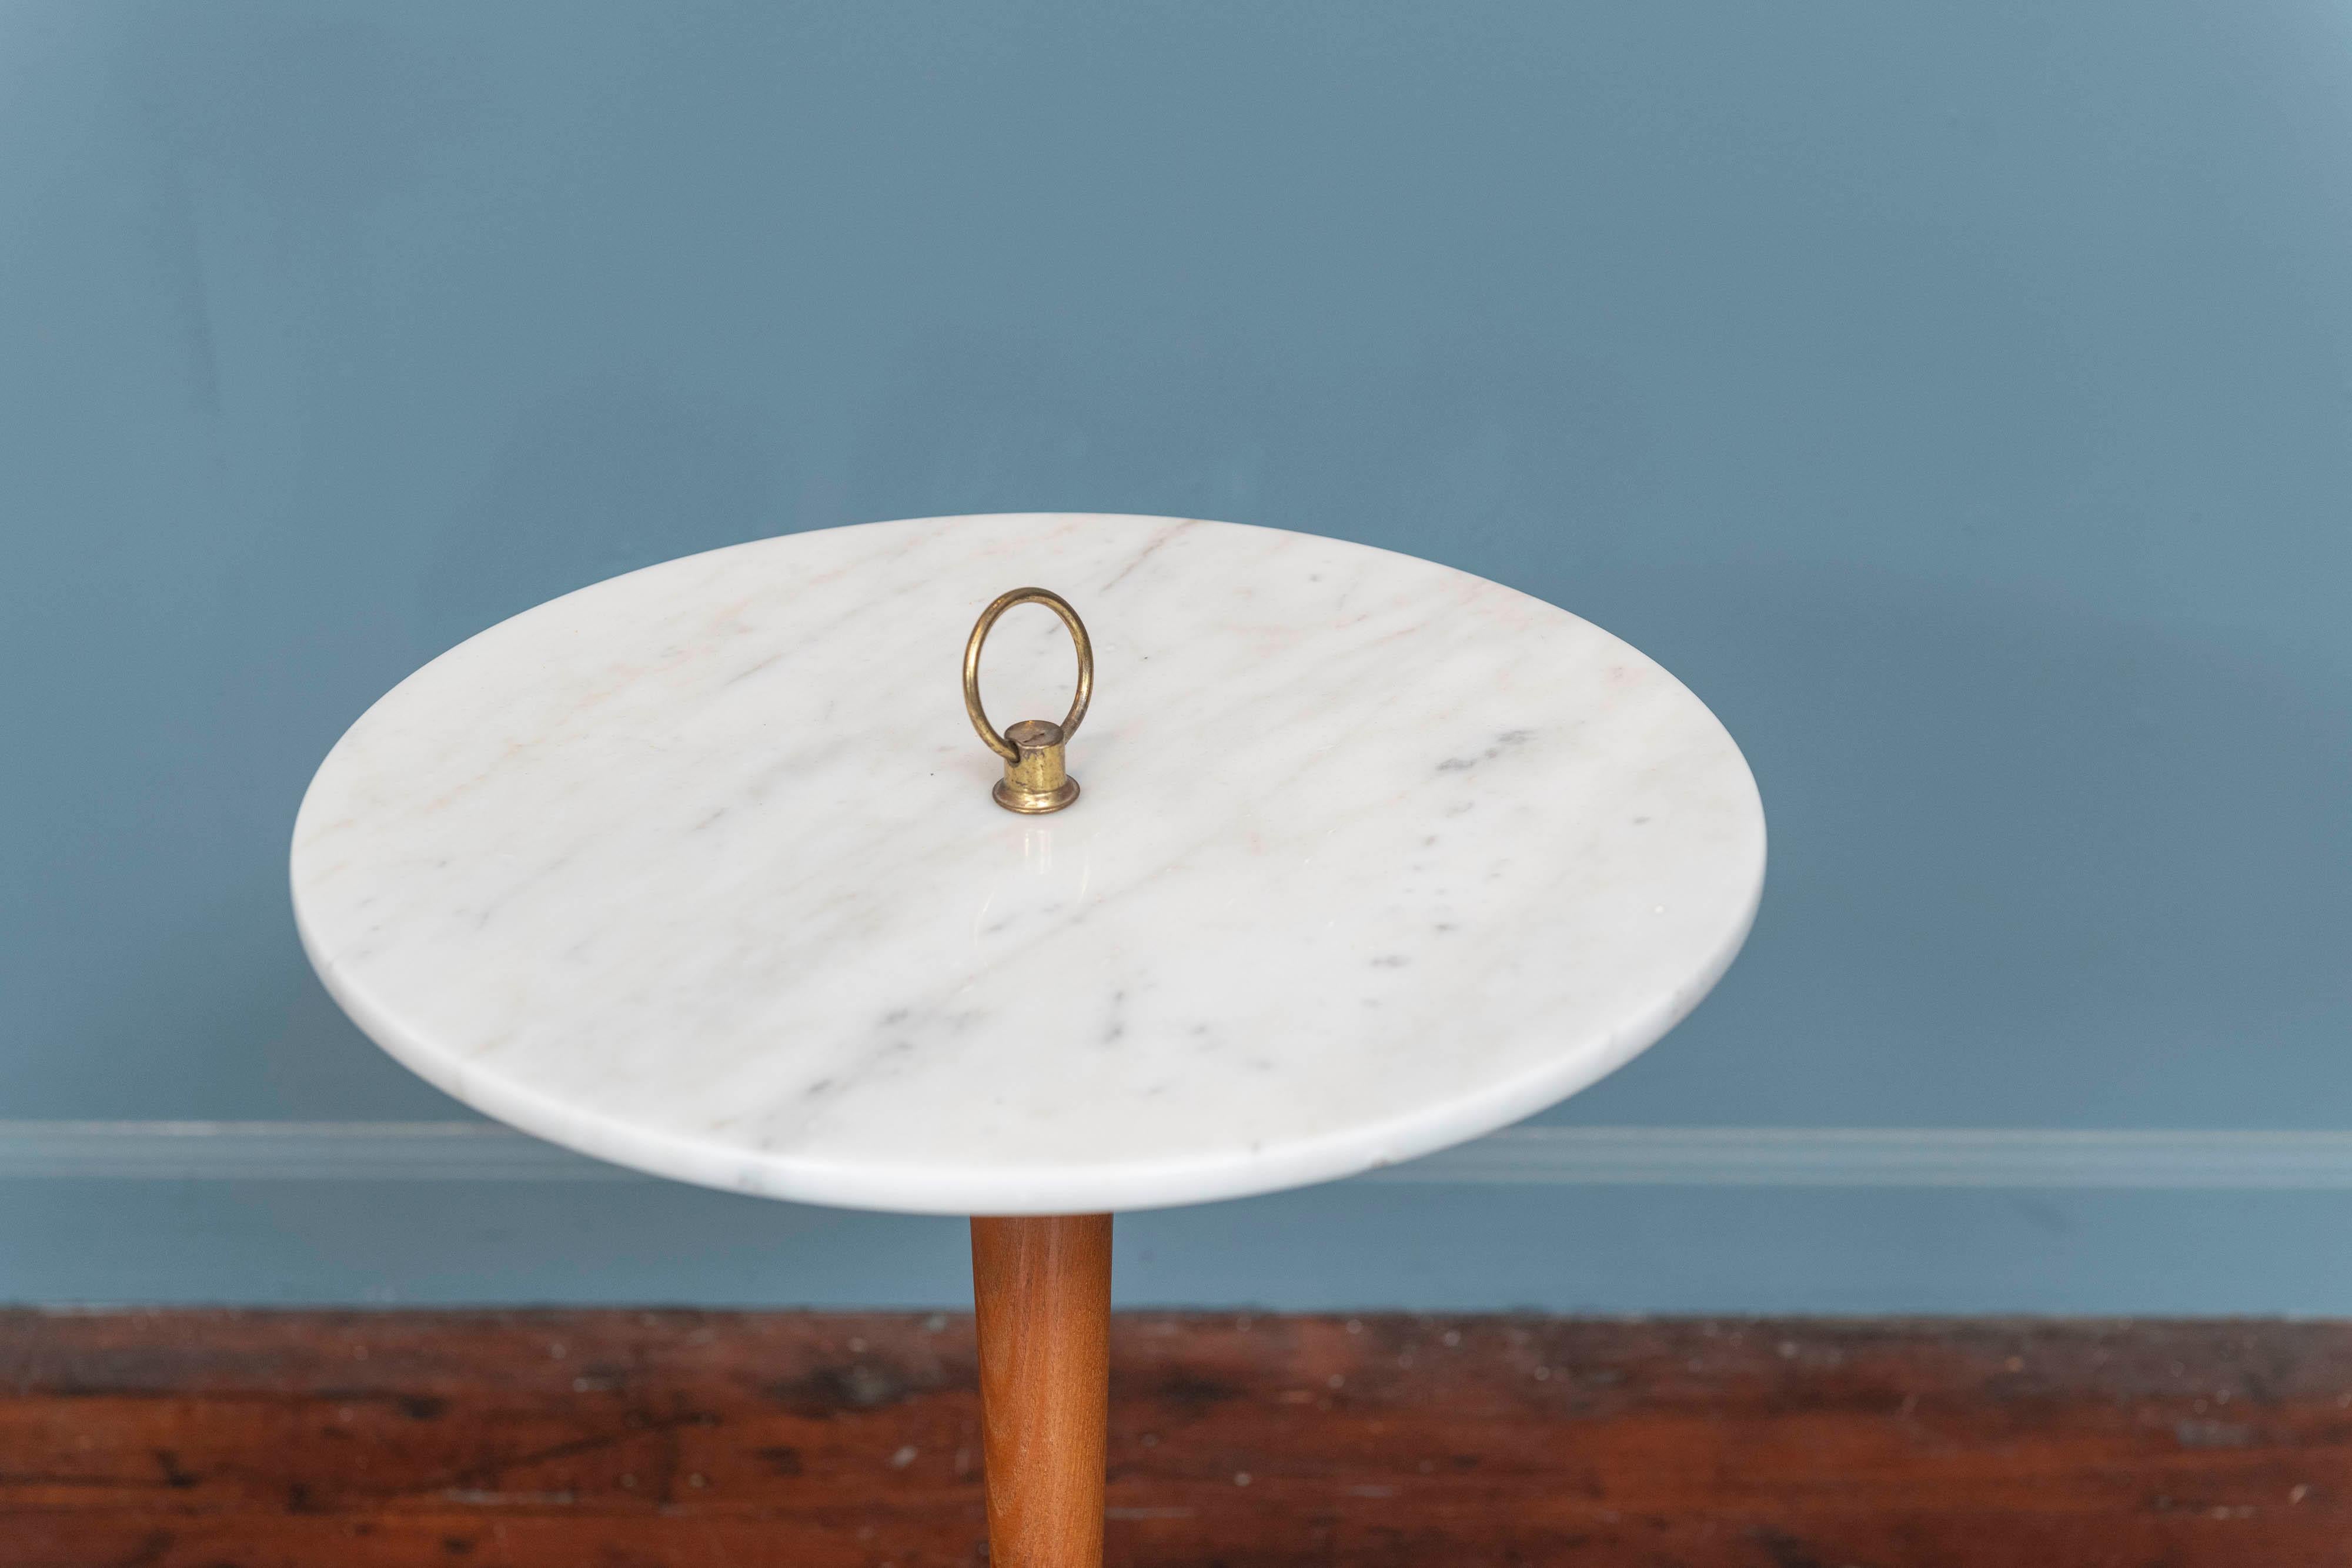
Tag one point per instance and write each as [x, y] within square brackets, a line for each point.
[1034, 780]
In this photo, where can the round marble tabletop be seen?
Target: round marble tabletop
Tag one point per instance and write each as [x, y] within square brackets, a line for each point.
[697, 870]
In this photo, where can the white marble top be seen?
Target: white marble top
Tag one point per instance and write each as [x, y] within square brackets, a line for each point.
[697, 870]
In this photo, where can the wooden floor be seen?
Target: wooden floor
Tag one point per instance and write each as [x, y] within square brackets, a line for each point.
[606, 1440]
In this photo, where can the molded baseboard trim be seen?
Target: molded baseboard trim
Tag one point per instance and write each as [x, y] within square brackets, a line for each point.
[2127, 1159]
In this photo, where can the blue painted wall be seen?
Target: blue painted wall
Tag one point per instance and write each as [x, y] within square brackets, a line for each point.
[1958, 398]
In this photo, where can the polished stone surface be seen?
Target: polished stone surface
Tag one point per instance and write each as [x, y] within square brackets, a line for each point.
[696, 870]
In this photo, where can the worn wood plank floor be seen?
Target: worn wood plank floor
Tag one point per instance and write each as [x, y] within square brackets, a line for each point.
[609, 1439]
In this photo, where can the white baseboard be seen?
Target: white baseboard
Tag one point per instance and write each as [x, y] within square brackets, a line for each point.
[2134, 1159]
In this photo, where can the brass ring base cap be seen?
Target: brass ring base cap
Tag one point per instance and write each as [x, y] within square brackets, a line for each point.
[1035, 802]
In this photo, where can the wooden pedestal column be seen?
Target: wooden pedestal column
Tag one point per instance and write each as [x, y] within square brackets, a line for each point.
[1042, 1290]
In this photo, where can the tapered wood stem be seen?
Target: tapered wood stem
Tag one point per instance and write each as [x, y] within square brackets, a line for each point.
[1042, 1288]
